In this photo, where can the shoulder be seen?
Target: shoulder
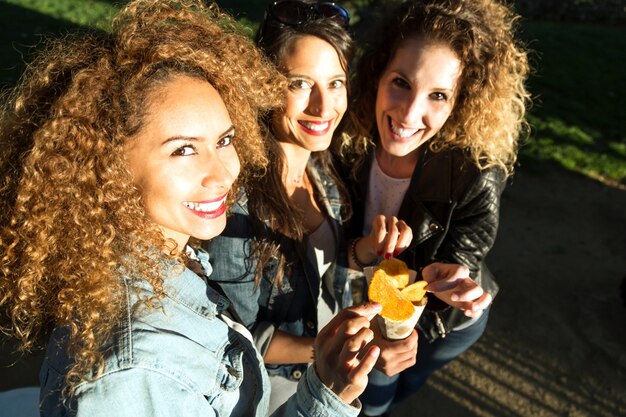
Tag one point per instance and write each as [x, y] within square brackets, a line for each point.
[164, 342]
[468, 176]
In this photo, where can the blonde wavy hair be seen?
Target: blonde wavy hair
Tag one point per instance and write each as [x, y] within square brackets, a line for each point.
[71, 220]
[488, 117]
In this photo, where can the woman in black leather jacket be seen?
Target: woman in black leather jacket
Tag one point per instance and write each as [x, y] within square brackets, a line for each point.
[439, 106]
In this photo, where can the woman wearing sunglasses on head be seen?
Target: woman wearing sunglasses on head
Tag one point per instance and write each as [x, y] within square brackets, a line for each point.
[282, 258]
[439, 107]
[117, 150]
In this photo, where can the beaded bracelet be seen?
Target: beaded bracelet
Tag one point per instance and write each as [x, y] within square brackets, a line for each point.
[354, 257]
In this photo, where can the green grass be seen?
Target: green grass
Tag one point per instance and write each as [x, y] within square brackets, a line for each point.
[578, 118]
[93, 13]
[579, 114]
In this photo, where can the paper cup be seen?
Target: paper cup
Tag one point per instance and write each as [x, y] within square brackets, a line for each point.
[397, 330]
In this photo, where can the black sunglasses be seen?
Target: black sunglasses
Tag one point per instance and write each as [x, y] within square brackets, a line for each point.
[297, 12]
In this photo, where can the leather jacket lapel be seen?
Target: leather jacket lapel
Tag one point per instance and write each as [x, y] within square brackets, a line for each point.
[432, 182]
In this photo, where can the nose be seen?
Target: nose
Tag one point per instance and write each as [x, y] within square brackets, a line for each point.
[320, 102]
[219, 173]
[414, 110]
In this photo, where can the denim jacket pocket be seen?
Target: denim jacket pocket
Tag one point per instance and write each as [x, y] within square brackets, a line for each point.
[230, 373]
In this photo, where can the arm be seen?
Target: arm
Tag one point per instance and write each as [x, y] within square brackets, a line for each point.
[474, 222]
[338, 376]
[287, 348]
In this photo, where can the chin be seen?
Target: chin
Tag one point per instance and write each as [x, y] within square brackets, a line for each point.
[209, 233]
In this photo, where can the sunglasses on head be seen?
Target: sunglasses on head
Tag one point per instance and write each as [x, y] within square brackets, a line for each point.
[297, 12]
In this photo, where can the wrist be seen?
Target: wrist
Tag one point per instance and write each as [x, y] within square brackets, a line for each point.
[358, 259]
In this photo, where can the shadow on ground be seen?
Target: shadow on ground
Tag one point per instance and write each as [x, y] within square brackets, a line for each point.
[555, 344]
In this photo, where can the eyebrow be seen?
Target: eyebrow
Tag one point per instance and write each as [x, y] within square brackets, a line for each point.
[227, 132]
[306, 77]
[403, 75]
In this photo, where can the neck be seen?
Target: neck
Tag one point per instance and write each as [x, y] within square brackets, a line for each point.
[397, 166]
[296, 160]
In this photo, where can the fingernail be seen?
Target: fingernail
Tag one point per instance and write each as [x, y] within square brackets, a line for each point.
[379, 252]
[387, 256]
[377, 307]
[396, 252]
[454, 297]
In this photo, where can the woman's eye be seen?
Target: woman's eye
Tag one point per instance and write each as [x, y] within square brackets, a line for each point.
[185, 150]
[400, 82]
[337, 84]
[299, 85]
[225, 141]
[439, 96]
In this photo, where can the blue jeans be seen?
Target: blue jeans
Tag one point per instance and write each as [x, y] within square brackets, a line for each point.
[383, 392]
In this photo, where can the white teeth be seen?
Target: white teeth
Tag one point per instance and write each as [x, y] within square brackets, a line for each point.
[403, 133]
[317, 127]
[204, 207]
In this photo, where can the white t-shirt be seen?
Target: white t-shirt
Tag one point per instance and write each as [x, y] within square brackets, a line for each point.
[384, 195]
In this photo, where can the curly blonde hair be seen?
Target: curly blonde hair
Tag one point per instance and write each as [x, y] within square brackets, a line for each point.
[488, 117]
[71, 220]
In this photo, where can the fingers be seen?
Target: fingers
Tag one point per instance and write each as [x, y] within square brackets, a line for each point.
[396, 356]
[479, 305]
[440, 272]
[468, 290]
[390, 235]
[397, 366]
[443, 285]
[352, 347]
[365, 365]
[367, 310]
[350, 320]
[475, 305]
[396, 347]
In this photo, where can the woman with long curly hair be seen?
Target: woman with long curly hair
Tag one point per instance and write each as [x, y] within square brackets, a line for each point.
[439, 107]
[118, 152]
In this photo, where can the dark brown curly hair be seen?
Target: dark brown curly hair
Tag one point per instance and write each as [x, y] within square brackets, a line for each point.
[71, 220]
[268, 200]
[488, 116]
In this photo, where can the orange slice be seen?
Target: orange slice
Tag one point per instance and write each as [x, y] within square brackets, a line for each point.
[397, 270]
[414, 292]
[383, 291]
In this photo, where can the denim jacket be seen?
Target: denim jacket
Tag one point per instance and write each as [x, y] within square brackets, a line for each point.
[180, 359]
[293, 307]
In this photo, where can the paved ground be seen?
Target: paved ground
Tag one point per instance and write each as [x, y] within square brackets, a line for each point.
[556, 342]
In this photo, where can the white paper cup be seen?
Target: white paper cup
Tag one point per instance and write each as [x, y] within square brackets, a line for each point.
[396, 330]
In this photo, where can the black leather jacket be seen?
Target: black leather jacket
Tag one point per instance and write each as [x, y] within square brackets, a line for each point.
[453, 209]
